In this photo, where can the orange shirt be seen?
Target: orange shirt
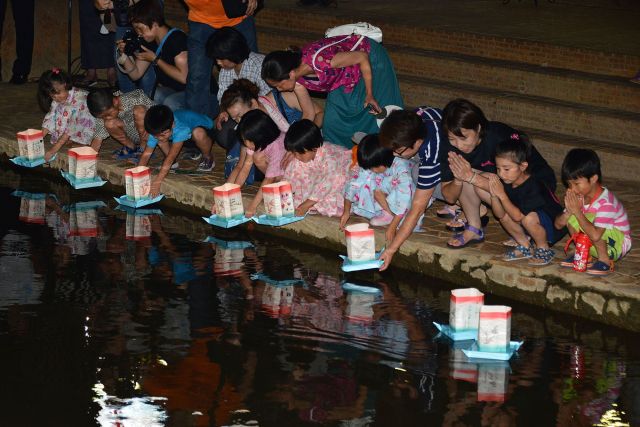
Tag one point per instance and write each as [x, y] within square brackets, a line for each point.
[211, 12]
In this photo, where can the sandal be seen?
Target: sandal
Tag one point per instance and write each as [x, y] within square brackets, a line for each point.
[457, 224]
[600, 268]
[448, 211]
[518, 252]
[511, 243]
[126, 153]
[460, 238]
[542, 257]
[568, 262]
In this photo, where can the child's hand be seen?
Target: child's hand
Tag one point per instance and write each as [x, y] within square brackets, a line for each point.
[304, 208]
[250, 212]
[155, 188]
[213, 208]
[495, 186]
[572, 202]
[343, 220]
[48, 155]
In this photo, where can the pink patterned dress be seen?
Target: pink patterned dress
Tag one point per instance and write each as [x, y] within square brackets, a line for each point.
[318, 56]
[71, 117]
[321, 180]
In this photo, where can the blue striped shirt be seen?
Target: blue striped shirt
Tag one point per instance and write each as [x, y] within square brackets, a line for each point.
[429, 168]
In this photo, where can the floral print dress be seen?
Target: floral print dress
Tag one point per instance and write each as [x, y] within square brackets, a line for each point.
[396, 183]
[71, 117]
[321, 180]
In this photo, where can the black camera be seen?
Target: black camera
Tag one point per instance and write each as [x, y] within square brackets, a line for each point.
[132, 42]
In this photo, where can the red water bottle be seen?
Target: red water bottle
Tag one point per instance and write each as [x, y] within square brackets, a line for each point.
[581, 256]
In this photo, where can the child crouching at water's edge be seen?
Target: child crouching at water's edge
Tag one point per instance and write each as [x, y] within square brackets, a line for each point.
[317, 172]
[524, 205]
[593, 210]
[264, 147]
[68, 118]
[380, 187]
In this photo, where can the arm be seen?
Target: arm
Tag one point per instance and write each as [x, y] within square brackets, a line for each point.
[346, 213]
[292, 101]
[238, 170]
[134, 69]
[345, 59]
[304, 207]
[305, 102]
[253, 206]
[500, 202]
[56, 147]
[574, 207]
[174, 150]
[418, 205]
[177, 72]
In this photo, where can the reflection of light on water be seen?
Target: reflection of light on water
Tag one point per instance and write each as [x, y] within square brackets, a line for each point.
[612, 418]
[133, 412]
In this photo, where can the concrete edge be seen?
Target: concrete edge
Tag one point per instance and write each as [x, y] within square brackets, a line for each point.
[613, 300]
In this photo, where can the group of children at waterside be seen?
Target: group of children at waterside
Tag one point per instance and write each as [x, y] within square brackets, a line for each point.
[273, 130]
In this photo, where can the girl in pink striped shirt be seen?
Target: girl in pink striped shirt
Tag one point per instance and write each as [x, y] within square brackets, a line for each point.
[593, 210]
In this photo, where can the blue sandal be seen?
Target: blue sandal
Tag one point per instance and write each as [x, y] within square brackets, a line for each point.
[516, 253]
[599, 268]
[460, 238]
[542, 257]
[126, 153]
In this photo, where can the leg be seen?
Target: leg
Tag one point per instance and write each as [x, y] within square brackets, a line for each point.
[532, 224]
[147, 81]
[203, 142]
[470, 200]
[23, 15]
[601, 250]
[200, 65]
[139, 111]
[515, 230]
[248, 29]
[117, 132]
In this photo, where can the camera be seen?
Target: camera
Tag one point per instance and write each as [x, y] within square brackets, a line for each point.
[132, 42]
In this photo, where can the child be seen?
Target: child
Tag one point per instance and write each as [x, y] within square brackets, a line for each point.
[317, 172]
[381, 188]
[594, 210]
[170, 130]
[68, 118]
[264, 146]
[523, 204]
[122, 118]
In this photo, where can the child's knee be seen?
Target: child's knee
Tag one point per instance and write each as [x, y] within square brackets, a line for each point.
[530, 220]
[139, 112]
[199, 134]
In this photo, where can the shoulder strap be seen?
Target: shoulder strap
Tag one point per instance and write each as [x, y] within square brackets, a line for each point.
[164, 39]
[313, 59]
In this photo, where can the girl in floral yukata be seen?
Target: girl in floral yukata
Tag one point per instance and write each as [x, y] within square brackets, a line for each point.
[381, 188]
[355, 71]
[317, 172]
[68, 118]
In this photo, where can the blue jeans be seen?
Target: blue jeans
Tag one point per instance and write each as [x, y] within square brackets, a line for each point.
[201, 97]
[146, 82]
[171, 98]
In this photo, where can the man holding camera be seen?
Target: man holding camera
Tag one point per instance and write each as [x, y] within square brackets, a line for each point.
[159, 46]
[115, 17]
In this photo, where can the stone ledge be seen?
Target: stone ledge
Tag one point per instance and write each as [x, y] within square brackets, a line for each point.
[613, 300]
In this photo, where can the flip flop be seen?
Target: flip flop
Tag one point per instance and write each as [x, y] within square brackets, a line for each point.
[460, 238]
[448, 211]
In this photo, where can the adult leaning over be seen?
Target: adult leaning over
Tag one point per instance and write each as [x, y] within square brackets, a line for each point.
[411, 133]
[204, 19]
[355, 71]
[468, 157]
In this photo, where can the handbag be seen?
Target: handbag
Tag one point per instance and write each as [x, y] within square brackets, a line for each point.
[235, 8]
[358, 28]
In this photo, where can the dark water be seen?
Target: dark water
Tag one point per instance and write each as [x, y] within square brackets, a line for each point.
[110, 318]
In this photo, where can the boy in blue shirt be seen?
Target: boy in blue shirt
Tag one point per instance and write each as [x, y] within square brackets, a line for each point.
[170, 130]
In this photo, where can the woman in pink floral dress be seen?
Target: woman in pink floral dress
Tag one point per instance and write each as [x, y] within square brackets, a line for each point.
[318, 171]
[68, 118]
[355, 71]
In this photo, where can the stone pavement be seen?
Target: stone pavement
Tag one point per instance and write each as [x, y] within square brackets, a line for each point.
[614, 299]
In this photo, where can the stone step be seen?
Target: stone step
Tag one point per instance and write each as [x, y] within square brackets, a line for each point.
[574, 120]
[573, 86]
[485, 46]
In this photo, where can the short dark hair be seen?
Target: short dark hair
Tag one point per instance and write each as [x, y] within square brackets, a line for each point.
[372, 154]
[402, 128]
[241, 90]
[257, 127]
[303, 136]
[46, 89]
[228, 43]
[147, 12]
[99, 101]
[516, 148]
[278, 64]
[580, 163]
[158, 119]
[463, 114]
